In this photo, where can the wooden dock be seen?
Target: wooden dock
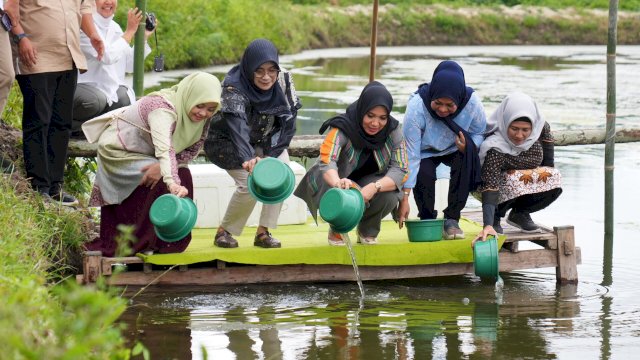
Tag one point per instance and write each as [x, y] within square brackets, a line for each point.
[554, 248]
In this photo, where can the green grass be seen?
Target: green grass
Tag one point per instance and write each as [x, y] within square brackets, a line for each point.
[44, 315]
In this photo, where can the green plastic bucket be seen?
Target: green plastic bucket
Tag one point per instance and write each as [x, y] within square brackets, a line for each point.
[342, 209]
[271, 181]
[173, 217]
[485, 258]
[424, 230]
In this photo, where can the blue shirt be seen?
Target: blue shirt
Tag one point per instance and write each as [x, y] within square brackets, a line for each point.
[428, 137]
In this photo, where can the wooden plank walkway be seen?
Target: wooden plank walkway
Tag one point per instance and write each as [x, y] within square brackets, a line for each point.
[556, 249]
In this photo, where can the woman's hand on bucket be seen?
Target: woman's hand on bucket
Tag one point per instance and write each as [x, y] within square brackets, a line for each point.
[483, 235]
[250, 164]
[178, 190]
[343, 183]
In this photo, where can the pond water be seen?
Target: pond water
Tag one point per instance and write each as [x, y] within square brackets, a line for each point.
[448, 317]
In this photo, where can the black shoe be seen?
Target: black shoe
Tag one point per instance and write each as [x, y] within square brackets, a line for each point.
[64, 199]
[496, 225]
[45, 196]
[522, 221]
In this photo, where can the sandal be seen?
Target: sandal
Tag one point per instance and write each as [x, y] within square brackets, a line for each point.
[335, 239]
[367, 240]
[265, 240]
[224, 239]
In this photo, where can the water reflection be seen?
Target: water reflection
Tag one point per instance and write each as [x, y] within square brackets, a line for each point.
[326, 321]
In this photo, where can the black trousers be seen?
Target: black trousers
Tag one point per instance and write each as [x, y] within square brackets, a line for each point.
[529, 203]
[424, 192]
[46, 125]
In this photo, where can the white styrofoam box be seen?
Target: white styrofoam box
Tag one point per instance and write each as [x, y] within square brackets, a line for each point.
[213, 188]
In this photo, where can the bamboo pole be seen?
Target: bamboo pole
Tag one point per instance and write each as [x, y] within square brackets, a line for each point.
[138, 53]
[374, 41]
[609, 149]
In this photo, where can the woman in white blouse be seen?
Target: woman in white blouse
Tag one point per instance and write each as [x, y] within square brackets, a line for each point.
[102, 88]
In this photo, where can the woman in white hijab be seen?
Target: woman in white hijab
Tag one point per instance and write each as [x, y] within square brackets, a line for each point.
[517, 166]
[102, 87]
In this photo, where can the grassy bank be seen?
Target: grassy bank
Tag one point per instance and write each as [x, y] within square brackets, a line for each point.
[43, 316]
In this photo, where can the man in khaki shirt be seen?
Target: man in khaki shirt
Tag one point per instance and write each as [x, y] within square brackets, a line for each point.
[6, 66]
[47, 58]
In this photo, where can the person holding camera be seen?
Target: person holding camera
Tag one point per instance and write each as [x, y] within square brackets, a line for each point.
[257, 119]
[103, 87]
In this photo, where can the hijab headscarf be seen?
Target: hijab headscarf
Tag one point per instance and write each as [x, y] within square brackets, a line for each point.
[516, 105]
[101, 22]
[269, 102]
[448, 81]
[374, 94]
[197, 88]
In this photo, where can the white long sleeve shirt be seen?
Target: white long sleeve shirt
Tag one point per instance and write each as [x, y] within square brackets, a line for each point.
[108, 74]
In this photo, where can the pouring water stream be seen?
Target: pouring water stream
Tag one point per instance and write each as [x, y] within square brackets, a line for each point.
[347, 241]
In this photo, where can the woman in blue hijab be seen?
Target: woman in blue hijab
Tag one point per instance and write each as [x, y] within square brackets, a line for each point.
[444, 124]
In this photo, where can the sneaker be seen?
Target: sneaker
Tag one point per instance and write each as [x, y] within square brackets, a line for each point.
[451, 230]
[522, 221]
[497, 227]
[265, 240]
[224, 239]
[335, 239]
[367, 240]
[63, 198]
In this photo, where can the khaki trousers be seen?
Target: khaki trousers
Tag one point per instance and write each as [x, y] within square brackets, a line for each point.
[242, 204]
[6, 68]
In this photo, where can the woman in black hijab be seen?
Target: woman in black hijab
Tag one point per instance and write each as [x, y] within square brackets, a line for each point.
[257, 119]
[363, 147]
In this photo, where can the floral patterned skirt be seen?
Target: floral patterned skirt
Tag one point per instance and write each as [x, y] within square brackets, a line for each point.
[515, 183]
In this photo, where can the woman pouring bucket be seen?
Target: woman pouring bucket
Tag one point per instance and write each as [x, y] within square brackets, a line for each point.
[257, 121]
[365, 150]
[143, 152]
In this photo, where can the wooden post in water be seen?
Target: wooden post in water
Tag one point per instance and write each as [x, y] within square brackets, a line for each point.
[374, 40]
[610, 141]
[138, 52]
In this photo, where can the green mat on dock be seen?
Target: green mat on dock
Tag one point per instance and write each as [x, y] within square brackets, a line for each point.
[307, 244]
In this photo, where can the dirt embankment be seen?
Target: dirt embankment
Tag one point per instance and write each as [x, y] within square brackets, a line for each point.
[496, 25]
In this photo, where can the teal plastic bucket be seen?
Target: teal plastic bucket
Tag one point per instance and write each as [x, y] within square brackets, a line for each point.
[271, 181]
[342, 209]
[485, 258]
[424, 230]
[173, 217]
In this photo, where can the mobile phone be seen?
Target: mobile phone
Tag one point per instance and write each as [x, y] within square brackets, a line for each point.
[6, 22]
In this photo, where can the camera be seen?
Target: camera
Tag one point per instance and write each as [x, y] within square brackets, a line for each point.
[150, 22]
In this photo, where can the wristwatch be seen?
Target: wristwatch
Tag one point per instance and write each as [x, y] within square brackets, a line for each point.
[19, 37]
[378, 186]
